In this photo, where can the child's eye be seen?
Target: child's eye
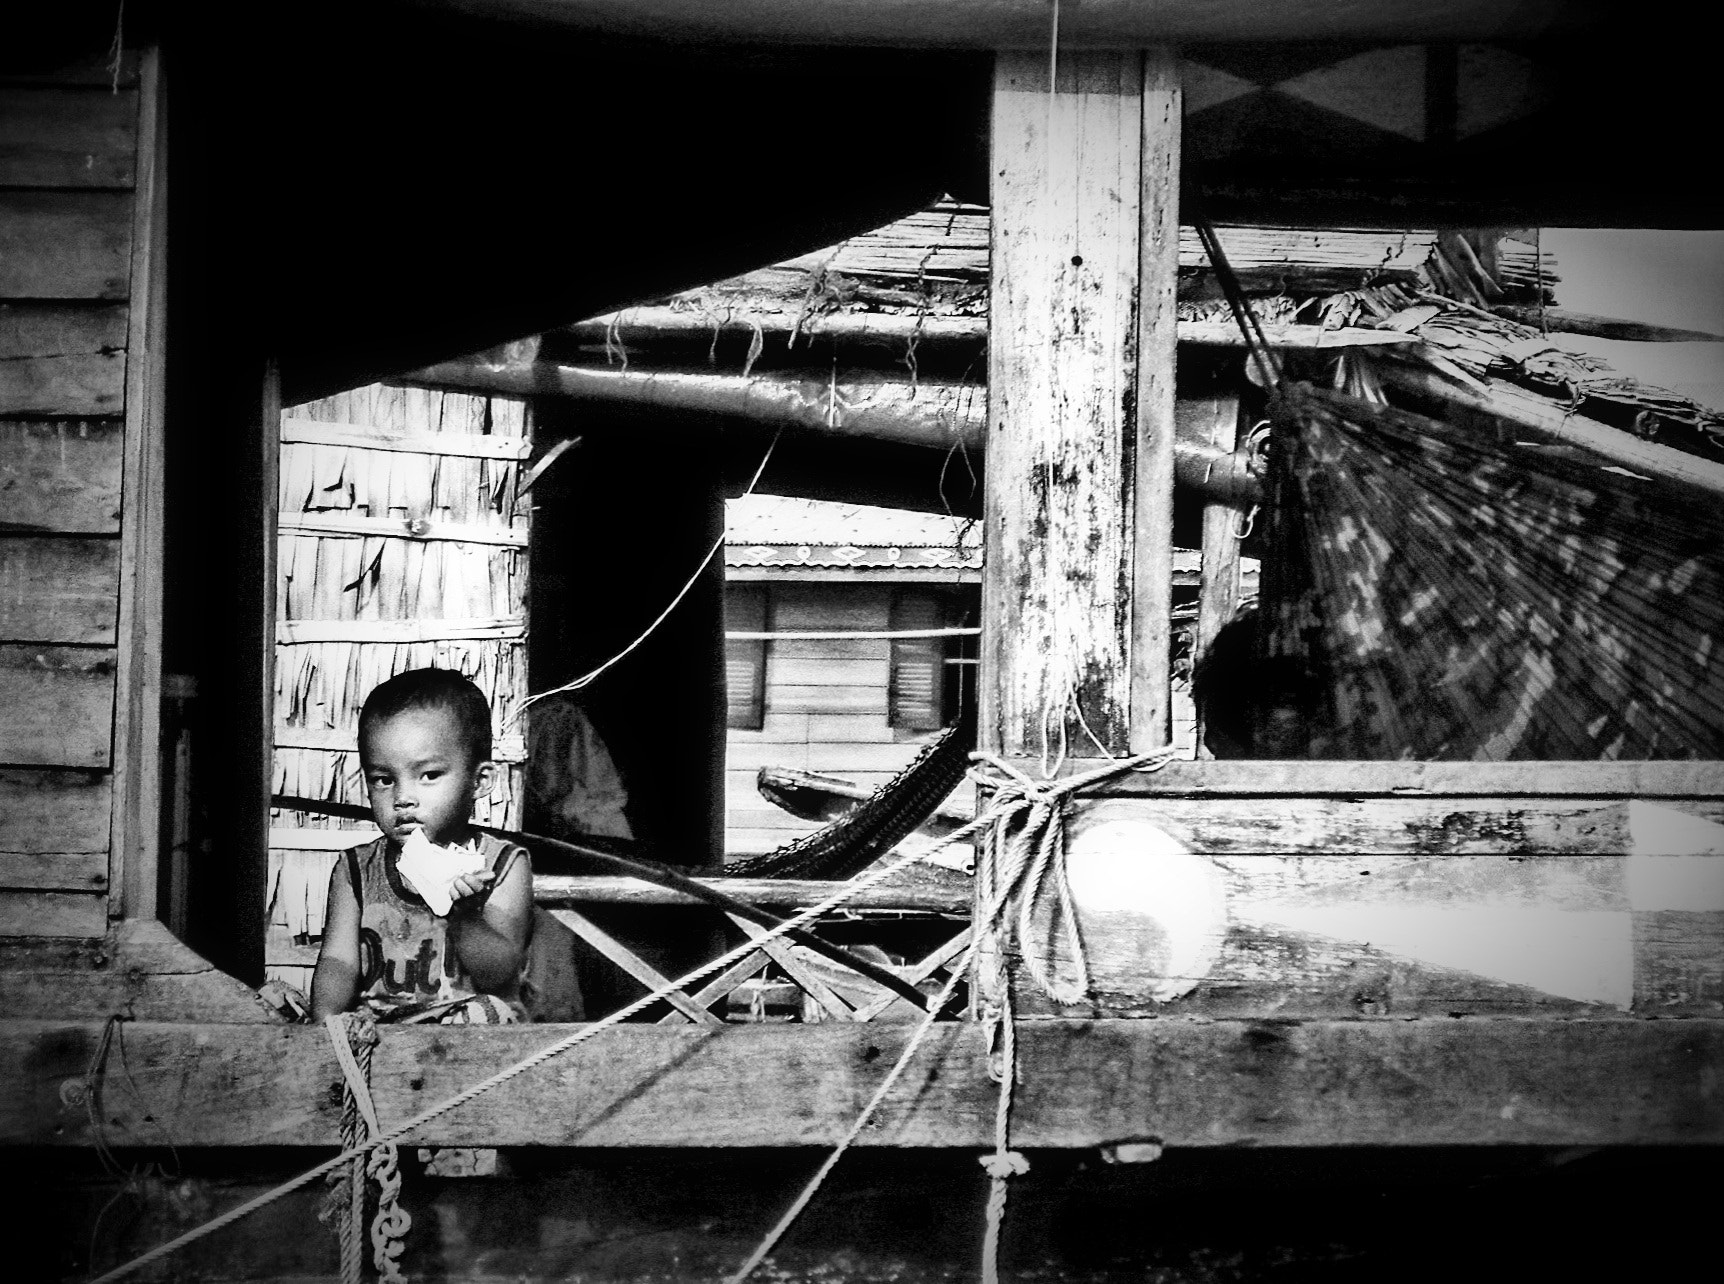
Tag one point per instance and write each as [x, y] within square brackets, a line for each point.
[378, 782]
[432, 775]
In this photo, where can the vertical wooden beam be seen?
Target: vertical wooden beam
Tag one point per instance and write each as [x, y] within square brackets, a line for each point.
[136, 827]
[1068, 454]
[1157, 325]
[1216, 423]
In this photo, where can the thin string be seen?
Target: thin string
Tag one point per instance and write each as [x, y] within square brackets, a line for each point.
[587, 678]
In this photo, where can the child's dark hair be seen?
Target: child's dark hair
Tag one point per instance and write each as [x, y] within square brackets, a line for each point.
[432, 689]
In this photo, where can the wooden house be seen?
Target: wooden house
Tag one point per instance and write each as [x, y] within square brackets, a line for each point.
[205, 225]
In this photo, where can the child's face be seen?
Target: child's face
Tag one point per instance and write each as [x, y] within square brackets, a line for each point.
[418, 774]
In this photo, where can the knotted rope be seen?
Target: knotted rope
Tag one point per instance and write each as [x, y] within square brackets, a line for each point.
[1012, 879]
[353, 1036]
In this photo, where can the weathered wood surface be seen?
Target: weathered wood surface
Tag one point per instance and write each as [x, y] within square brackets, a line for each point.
[354, 526]
[1083, 1084]
[52, 136]
[1543, 415]
[54, 830]
[1152, 398]
[73, 914]
[65, 244]
[62, 359]
[929, 890]
[140, 631]
[136, 969]
[56, 706]
[58, 589]
[1062, 381]
[1566, 321]
[61, 476]
[53, 812]
[312, 432]
[1310, 907]
[1310, 778]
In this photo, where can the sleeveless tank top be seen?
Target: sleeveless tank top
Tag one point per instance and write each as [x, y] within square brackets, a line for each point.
[405, 963]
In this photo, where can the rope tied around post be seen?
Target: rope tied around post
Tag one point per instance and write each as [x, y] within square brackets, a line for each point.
[353, 1035]
[1020, 877]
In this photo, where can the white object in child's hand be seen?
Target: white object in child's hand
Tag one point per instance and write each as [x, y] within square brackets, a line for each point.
[431, 870]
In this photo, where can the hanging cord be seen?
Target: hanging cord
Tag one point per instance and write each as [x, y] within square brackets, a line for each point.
[586, 679]
[353, 1036]
[999, 881]
[1256, 342]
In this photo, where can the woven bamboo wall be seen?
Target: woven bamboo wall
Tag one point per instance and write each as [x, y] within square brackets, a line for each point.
[402, 545]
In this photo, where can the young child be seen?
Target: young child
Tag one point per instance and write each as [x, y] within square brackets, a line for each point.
[425, 748]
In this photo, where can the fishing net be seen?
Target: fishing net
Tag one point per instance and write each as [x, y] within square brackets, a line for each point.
[1432, 592]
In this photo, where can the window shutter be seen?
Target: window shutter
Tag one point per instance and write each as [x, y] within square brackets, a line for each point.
[918, 671]
[745, 662]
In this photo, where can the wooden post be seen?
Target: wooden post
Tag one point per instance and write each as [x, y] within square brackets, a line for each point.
[1080, 419]
[1216, 422]
[1157, 324]
[136, 823]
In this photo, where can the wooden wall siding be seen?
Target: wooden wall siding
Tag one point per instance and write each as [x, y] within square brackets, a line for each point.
[61, 475]
[62, 359]
[1396, 906]
[355, 609]
[825, 709]
[68, 164]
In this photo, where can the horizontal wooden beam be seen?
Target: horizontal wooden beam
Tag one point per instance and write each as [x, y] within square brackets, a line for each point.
[1566, 321]
[61, 476]
[295, 632]
[310, 432]
[1002, 24]
[1238, 778]
[1083, 1084]
[1541, 414]
[945, 896]
[353, 526]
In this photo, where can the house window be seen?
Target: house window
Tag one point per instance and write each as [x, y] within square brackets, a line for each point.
[745, 611]
[931, 678]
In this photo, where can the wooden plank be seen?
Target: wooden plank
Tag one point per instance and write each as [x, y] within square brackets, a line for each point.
[65, 245]
[300, 632]
[932, 890]
[99, 73]
[786, 957]
[1667, 779]
[1391, 826]
[59, 914]
[61, 476]
[56, 706]
[53, 813]
[62, 360]
[140, 633]
[803, 670]
[1059, 505]
[53, 136]
[58, 589]
[283, 838]
[633, 964]
[70, 872]
[816, 698]
[353, 526]
[1082, 1084]
[359, 436]
[1151, 568]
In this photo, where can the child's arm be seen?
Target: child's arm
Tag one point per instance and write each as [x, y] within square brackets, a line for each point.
[335, 984]
[489, 932]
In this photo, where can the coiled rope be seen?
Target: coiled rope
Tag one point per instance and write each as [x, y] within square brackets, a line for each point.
[353, 1035]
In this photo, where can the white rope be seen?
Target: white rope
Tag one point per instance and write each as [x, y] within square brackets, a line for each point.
[586, 679]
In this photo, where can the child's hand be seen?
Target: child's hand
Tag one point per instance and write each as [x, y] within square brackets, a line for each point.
[468, 891]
